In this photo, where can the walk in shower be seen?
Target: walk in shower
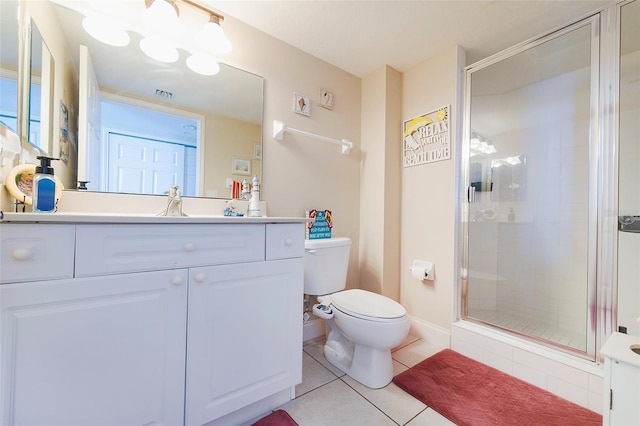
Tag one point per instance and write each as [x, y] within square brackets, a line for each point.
[540, 164]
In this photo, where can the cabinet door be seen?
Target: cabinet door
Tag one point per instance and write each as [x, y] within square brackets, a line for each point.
[625, 386]
[244, 339]
[94, 351]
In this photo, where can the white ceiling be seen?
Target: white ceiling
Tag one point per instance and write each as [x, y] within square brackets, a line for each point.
[361, 36]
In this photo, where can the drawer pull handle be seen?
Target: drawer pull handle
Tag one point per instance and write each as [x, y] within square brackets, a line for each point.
[288, 241]
[21, 254]
[189, 247]
[177, 280]
[199, 278]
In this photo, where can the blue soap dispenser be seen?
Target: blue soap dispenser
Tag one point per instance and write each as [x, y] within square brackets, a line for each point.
[44, 187]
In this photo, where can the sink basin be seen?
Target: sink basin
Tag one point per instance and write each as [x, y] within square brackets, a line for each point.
[635, 348]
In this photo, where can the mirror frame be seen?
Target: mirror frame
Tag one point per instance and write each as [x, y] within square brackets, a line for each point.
[47, 84]
[24, 79]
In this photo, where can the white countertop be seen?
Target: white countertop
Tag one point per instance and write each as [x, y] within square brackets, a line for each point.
[618, 347]
[11, 217]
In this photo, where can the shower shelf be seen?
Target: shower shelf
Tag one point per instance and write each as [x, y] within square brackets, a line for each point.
[629, 224]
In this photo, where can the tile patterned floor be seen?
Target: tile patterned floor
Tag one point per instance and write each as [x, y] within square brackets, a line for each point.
[327, 396]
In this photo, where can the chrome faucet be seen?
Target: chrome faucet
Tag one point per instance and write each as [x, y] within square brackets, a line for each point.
[174, 205]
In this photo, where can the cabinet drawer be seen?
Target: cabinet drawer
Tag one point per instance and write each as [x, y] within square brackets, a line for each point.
[109, 249]
[285, 241]
[32, 252]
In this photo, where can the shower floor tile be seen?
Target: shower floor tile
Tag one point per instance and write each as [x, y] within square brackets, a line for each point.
[531, 327]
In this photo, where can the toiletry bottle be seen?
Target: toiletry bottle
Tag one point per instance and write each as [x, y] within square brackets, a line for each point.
[511, 216]
[246, 192]
[44, 187]
[254, 203]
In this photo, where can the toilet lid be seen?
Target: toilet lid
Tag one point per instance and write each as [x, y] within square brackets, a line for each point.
[362, 303]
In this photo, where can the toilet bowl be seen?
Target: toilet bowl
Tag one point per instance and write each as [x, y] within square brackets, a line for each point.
[359, 340]
[361, 326]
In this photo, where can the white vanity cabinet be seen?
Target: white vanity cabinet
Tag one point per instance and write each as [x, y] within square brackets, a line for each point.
[241, 345]
[147, 323]
[621, 380]
[94, 351]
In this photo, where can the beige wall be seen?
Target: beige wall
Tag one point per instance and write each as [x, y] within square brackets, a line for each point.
[428, 194]
[300, 173]
[380, 165]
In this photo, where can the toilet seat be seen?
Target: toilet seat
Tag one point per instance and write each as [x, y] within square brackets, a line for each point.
[367, 305]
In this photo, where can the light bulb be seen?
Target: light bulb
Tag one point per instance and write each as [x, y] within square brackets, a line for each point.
[204, 64]
[159, 49]
[212, 39]
[162, 18]
[105, 30]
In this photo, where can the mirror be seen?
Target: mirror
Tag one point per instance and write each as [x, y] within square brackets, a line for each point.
[36, 86]
[9, 64]
[214, 121]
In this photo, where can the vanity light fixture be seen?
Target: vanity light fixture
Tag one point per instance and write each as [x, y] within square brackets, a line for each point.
[159, 49]
[211, 37]
[163, 17]
[203, 63]
[165, 30]
[105, 30]
[162, 21]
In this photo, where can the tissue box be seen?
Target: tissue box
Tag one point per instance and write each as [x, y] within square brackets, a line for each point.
[321, 225]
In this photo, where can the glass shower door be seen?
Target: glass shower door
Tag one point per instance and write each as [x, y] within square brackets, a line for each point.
[530, 227]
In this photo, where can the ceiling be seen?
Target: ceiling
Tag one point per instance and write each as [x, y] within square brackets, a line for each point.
[361, 36]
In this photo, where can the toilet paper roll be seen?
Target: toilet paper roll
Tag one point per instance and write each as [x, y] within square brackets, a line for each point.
[418, 273]
[422, 270]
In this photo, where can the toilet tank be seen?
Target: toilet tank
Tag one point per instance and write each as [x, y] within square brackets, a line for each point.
[326, 262]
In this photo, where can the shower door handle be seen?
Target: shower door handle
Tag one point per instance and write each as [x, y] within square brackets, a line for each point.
[629, 224]
[471, 194]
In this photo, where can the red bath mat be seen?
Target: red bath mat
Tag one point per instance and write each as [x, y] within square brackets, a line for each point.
[470, 393]
[277, 418]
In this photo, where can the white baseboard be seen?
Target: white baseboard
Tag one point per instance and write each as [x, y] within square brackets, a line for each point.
[430, 332]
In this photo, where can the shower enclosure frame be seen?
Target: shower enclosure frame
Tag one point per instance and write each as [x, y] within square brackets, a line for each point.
[603, 184]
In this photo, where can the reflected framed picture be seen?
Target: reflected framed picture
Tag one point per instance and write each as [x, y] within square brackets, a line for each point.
[240, 166]
[257, 151]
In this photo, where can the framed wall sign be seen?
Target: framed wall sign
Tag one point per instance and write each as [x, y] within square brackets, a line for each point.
[301, 104]
[325, 98]
[426, 138]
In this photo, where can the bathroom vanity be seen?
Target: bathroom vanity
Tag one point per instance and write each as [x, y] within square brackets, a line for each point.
[621, 355]
[161, 320]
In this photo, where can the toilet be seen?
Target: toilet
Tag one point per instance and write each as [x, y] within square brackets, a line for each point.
[361, 327]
